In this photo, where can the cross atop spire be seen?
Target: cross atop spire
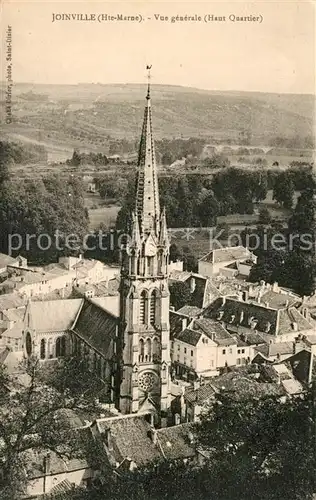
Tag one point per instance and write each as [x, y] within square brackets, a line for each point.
[148, 67]
[147, 197]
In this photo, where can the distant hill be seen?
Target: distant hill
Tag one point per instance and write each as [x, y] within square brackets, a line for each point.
[86, 114]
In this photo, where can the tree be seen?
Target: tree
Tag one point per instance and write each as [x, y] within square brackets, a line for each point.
[180, 294]
[35, 211]
[216, 161]
[34, 416]
[167, 158]
[76, 158]
[283, 190]
[260, 448]
[264, 216]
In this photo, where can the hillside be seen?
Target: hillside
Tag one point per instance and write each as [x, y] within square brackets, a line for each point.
[65, 116]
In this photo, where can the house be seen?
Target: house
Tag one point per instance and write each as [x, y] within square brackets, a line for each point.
[51, 474]
[61, 276]
[7, 260]
[203, 347]
[218, 260]
[203, 292]
[242, 383]
[130, 441]
[276, 351]
[281, 323]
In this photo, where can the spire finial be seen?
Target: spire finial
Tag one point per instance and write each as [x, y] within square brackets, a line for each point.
[148, 67]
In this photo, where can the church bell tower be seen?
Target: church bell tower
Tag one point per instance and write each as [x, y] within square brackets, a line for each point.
[144, 295]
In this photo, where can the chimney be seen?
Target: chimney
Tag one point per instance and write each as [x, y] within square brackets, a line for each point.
[177, 419]
[294, 326]
[287, 303]
[47, 464]
[275, 287]
[245, 295]
[192, 284]
[196, 385]
[182, 404]
[108, 439]
[266, 304]
[172, 308]
[153, 436]
[184, 323]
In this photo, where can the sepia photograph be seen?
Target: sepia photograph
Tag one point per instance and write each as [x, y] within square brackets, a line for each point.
[157, 250]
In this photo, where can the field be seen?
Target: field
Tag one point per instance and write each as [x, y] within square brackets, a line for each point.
[62, 117]
[103, 215]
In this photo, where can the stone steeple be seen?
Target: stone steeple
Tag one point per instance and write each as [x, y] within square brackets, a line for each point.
[144, 332]
[147, 196]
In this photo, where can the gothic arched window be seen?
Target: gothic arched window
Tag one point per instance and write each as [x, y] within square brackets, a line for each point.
[148, 350]
[160, 262]
[141, 350]
[156, 349]
[153, 307]
[28, 344]
[43, 349]
[143, 308]
[60, 347]
[150, 265]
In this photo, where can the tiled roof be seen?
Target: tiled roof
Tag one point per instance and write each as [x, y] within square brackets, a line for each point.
[11, 301]
[189, 336]
[61, 487]
[279, 300]
[200, 395]
[271, 350]
[190, 311]
[300, 364]
[226, 254]
[235, 312]
[15, 332]
[16, 314]
[290, 316]
[257, 316]
[176, 441]
[214, 330]
[176, 275]
[175, 321]
[97, 327]
[58, 465]
[131, 438]
[6, 260]
[54, 315]
[243, 386]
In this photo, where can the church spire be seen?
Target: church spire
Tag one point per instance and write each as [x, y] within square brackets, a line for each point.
[147, 197]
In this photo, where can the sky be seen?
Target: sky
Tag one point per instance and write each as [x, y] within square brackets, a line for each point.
[276, 55]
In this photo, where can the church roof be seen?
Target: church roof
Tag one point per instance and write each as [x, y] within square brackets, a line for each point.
[97, 327]
[53, 315]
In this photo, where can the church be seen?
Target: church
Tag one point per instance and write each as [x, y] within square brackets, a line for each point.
[129, 352]
[144, 333]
